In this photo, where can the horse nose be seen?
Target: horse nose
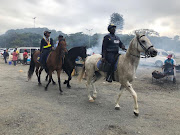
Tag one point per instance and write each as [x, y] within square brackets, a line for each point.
[153, 53]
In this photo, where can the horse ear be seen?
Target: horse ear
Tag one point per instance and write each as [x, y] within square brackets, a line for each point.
[136, 33]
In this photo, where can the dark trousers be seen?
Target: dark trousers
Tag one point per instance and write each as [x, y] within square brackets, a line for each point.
[44, 57]
[14, 62]
[111, 58]
[25, 61]
[5, 60]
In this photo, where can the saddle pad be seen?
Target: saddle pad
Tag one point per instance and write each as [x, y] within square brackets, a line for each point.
[115, 65]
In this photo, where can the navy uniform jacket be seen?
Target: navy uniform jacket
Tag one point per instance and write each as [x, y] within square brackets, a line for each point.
[111, 43]
[44, 44]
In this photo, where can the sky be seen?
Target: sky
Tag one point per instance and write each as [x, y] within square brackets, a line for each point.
[71, 16]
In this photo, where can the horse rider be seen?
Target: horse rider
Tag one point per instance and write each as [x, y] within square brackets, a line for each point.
[110, 49]
[46, 47]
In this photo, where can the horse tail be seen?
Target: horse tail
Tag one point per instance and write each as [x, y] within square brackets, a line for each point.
[80, 76]
[31, 67]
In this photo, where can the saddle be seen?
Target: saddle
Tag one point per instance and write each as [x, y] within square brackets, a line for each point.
[105, 66]
[39, 58]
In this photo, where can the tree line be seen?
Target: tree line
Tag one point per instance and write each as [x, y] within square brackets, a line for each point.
[31, 38]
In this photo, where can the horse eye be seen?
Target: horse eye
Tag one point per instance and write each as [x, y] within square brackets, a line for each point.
[143, 41]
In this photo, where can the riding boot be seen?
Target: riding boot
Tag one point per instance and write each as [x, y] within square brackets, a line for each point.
[110, 74]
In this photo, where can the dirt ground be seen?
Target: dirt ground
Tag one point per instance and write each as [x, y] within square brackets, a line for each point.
[26, 109]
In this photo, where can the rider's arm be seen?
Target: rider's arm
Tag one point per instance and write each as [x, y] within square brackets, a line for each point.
[104, 45]
[41, 47]
[52, 44]
[121, 45]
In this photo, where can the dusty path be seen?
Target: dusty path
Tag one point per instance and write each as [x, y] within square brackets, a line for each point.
[26, 109]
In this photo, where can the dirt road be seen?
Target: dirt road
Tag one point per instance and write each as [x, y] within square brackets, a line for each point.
[26, 109]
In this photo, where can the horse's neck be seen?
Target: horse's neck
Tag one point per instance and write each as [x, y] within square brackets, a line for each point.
[72, 55]
[58, 52]
[132, 54]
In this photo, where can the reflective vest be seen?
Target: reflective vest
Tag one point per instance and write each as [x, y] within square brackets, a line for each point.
[48, 45]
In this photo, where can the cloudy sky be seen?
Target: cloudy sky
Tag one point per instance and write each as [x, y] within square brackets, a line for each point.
[70, 16]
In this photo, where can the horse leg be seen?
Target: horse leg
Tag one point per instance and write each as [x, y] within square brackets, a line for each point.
[54, 83]
[89, 79]
[131, 90]
[117, 107]
[50, 78]
[94, 91]
[37, 69]
[46, 78]
[69, 78]
[39, 76]
[59, 81]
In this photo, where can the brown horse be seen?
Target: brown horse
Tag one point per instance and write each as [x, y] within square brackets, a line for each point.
[54, 62]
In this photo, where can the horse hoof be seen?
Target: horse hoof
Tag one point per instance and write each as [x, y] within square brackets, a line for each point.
[94, 97]
[91, 101]
[136, 114]
[65, 82]
[54, 83]
[69, 86]
[117, 108]
[39, 84]
[45, 88]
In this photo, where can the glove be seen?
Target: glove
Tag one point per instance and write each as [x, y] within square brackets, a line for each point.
[123, 47]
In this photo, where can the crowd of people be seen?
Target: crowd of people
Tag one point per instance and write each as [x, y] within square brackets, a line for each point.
[14, 56]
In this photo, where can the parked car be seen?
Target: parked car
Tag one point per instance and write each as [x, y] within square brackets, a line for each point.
[155, 61]
[30, 50]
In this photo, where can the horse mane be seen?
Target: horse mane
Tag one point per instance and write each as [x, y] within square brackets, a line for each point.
[74, 48]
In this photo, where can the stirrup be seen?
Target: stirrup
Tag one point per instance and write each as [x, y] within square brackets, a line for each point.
[109, 78]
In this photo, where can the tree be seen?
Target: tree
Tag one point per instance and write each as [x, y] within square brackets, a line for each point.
[118, 20]
[176, 38]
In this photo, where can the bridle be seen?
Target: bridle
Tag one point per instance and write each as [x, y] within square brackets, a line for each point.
[147, 55]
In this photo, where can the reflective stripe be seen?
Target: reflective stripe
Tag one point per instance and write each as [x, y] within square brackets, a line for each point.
[47, 46]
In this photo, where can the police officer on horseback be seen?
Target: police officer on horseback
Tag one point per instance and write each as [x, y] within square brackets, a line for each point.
[46, 47]
[110, 49]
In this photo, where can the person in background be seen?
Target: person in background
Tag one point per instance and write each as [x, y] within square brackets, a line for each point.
[170, 61]
[18, 60]
[15, 57]
[25, 56]
[59, 38]
[5, 55]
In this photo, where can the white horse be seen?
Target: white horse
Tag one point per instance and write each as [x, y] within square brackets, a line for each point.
[126, 68]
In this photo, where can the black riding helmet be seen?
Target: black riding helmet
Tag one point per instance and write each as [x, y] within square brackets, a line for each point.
[60, 36]
[111, 26]
[45, 32]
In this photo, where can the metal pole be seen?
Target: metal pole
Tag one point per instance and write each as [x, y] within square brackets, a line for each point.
[34, 21]
[89, 30]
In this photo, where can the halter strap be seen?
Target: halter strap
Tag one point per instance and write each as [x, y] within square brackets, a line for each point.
[146, 50]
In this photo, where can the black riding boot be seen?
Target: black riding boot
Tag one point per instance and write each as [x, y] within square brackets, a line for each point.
[110, 76]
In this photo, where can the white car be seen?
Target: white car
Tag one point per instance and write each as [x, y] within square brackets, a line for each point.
[153, 61]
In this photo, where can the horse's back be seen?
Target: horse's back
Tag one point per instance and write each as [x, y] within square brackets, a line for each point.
[35, 55]
[93, 59]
